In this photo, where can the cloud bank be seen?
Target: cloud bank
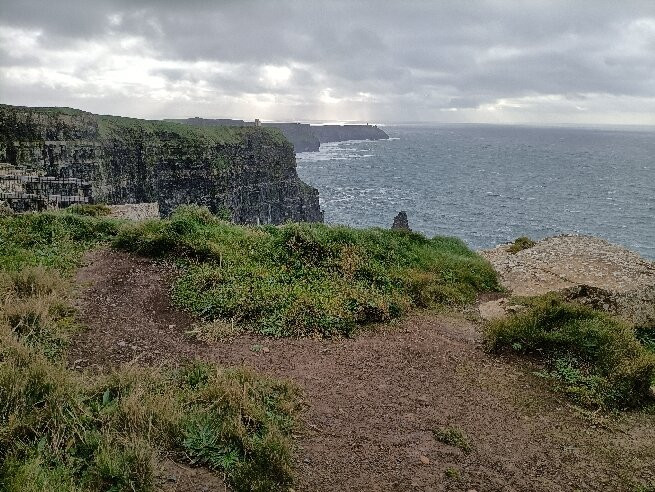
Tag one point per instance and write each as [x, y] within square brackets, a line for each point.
[543, 61]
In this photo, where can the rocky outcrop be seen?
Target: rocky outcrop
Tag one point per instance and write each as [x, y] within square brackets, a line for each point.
[400, 222]
[586, 269]
[248, 171]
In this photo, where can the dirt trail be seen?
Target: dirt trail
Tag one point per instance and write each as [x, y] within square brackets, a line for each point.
[373, 401]
[124, 301]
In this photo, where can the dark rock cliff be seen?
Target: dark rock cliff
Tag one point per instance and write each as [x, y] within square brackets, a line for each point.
[339, 133]
[304, 137]
[250, 171]
[299, 134]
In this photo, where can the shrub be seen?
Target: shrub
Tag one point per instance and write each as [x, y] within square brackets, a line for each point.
[90, 210]
[307, 279]
[594, 358]
[520, 244]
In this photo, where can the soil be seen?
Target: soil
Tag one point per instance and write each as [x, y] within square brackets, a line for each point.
[124, 303]
[373, 402]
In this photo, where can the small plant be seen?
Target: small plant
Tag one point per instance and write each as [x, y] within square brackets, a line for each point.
[646, 337]
[452, 473]
[89, 210]
[452, 436]
[520, 244]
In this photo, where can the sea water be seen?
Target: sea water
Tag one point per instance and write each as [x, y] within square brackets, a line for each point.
[488, 184]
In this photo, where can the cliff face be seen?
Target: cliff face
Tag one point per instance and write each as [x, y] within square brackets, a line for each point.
[304, 137]
[299, 134]
[249, 171]
[339, 133]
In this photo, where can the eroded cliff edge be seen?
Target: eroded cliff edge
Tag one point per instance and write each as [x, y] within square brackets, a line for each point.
[248, 171]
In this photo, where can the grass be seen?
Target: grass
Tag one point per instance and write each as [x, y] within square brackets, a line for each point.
[452, 436]
[452, 473]
[307, 279]
[55, 240]
[520, 244]
[594, 358]
[62, 430]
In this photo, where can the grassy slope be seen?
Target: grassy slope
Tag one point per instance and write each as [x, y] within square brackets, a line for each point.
[65, 431]
[307, 279]
[62, 430]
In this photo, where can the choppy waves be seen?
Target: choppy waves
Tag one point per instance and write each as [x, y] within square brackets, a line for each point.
[490, 184]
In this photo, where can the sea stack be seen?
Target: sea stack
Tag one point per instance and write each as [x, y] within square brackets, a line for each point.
[400, 222]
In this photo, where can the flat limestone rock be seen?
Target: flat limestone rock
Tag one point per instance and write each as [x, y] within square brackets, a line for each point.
[583, 268]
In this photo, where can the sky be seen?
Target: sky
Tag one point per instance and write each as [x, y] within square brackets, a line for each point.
[495, 61]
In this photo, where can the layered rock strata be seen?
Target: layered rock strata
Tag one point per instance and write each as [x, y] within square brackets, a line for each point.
[249, 172]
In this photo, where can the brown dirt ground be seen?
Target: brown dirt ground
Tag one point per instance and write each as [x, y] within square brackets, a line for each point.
[374, 401]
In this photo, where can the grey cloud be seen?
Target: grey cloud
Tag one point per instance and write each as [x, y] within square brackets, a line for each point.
[408, 56]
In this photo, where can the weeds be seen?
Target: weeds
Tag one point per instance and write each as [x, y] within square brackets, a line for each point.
[90, 210]
[452, 436]
[520, 244]
[67, 431]
[307, 279]
[595, 359]
[55, 240]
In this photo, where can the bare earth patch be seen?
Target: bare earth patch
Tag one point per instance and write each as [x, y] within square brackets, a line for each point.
[374, 402]
[124, 301]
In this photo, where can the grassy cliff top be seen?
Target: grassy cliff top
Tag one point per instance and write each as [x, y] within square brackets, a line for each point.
[62, 123]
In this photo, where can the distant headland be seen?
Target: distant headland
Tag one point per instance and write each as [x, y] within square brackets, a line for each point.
[304, 137]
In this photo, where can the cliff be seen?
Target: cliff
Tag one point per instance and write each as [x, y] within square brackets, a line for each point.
[304, 137]
[300, 135]
[250, 171]
[339, 133]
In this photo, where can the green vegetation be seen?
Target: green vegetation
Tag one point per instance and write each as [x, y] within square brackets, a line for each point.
[61, 430]
[594, 358]
[307, 279]
[55, 240]
[122, 128]
[64, 431]
[91, 210]
[452, 473]
[452, 436]
[520, 244]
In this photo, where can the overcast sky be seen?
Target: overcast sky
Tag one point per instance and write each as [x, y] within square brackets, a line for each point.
[504, 61]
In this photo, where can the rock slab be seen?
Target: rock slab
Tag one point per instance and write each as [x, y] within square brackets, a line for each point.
[586, 269]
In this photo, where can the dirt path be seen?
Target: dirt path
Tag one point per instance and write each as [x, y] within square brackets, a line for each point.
[374, 401]
[124, 302]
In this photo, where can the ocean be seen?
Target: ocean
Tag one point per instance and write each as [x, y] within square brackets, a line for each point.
[489, 184]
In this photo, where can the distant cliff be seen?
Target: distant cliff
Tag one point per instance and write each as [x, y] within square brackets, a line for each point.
[340, 133]
[304, 137]
[300, 135]
[250, 171]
